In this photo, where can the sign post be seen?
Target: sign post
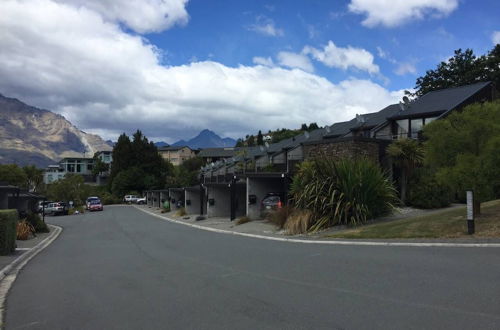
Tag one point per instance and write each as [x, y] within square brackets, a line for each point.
[470, 212]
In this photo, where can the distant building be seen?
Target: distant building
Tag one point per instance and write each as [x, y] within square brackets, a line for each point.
[176, 155]
[75, 165]
[210, 155]
[105, 156]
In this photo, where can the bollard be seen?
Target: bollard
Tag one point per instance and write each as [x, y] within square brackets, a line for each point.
[470, 212]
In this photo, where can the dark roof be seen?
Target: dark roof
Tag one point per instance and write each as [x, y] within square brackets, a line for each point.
[341, 129]
[440, 101]
[376, 118]
[218, 152]
[314, 135]
[173, 148]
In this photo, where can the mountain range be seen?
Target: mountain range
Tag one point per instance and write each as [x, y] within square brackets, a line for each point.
[29, 135]
[206, 139]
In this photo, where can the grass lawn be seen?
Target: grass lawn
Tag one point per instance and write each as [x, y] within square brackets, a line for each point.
[446, 224]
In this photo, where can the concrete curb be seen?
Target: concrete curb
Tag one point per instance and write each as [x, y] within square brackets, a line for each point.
[9, 273]
[329, 242]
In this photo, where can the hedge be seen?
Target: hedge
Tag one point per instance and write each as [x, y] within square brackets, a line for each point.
[8, 223]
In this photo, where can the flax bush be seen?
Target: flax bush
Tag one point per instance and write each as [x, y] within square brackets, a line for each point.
[342, 192]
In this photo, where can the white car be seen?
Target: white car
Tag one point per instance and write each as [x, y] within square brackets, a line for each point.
[141, 200]
[130, 199]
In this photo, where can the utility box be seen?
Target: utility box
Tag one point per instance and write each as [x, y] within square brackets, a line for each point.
[252, 199]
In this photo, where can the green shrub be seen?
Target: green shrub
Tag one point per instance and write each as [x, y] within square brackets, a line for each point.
[426, 193]
[8, 231]
[37, 223]
[108, 199]
[342, 192]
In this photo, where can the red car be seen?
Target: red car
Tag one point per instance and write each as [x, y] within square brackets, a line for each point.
[95, 205]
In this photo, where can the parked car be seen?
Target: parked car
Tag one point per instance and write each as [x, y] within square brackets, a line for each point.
[95, 205]
[41, 206]
[141, 200]
[271, 202]
[130, 199]
[89, 199]
[57, 208]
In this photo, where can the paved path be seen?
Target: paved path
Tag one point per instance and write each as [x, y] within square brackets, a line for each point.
[124, 269]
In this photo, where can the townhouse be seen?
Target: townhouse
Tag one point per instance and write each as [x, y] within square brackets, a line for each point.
[235, 186]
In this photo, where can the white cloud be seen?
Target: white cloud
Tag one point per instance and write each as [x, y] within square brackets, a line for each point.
[495, 37]
[343, 58]
[295, 61]
[405, 68]
[266, 61]
[266, 26]
[141, 16]
[106, 81]
[382, 53]
[391, 13]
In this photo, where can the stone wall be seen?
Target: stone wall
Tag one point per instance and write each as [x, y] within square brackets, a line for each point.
[351, 148]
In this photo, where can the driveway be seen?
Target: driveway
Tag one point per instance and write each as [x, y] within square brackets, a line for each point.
[124, 269]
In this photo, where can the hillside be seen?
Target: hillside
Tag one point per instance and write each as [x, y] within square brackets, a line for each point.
[29, 135]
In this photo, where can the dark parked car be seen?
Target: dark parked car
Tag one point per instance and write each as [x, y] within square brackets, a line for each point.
[57, 208]
[271, 202]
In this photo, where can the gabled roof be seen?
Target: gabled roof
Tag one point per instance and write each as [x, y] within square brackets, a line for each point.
[218, 152]
[376, 118]
[440, 101]
[173, 148]
[340, 129]
[314, 135]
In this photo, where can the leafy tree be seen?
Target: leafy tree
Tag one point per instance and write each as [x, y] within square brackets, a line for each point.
[99, 167]
[34, 177]
[251, 141]
[70, 188]
[283, 134]
[260, 139]
[13, 175]
[137, 165]
[462, 69]
[239, 143]
[313, 126]
[122, 156]
[131, 179]
[303, 127]
[463, 149]
[407, 154]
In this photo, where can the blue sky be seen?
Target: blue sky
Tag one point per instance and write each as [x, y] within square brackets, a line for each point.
[174, 67]
[221, 31]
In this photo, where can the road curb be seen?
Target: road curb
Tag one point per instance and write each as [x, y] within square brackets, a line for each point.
[329, 242]
[9, 273]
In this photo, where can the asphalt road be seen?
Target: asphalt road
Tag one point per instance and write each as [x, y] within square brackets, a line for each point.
[124, 269]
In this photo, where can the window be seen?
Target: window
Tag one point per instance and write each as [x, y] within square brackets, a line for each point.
[429, 120]
[402, 128]
[416, 126]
